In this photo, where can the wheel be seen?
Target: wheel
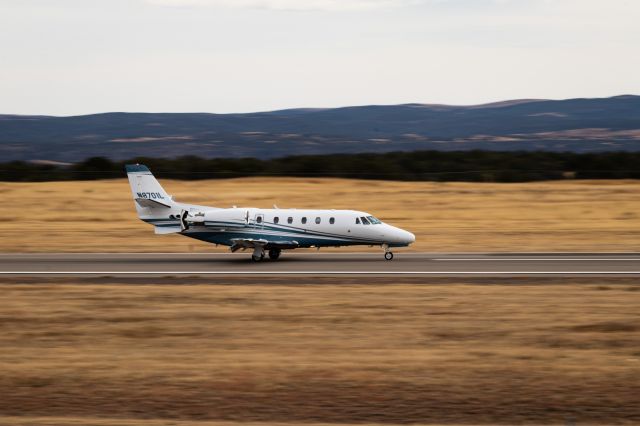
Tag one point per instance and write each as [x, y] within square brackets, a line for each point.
[274, 254]
[257, 258]
[388, 256]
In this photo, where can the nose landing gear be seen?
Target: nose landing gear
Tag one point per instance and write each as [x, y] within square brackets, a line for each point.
[388, 255]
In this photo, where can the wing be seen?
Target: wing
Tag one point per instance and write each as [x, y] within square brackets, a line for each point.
[250, 243]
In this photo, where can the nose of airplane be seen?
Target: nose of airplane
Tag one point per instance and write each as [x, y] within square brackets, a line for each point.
[408, 237]
[400, 236]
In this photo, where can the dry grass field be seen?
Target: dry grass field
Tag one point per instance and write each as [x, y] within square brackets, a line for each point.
[227, 354]
[99, 216]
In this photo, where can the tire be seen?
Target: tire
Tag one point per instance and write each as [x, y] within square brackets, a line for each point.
[257, 258]
[274, 254]
[388, 256]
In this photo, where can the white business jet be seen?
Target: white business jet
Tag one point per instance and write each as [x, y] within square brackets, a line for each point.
[260, 230]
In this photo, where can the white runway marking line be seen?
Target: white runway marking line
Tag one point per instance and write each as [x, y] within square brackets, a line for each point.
[320, 273]
[536, 259]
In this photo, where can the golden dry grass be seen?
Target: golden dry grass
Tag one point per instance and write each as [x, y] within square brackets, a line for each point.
[560, 216]
[332, 353]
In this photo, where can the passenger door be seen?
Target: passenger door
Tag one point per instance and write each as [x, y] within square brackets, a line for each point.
[258, 221]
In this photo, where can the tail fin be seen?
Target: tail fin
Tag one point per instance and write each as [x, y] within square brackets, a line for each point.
[154, 205]
[151, 200]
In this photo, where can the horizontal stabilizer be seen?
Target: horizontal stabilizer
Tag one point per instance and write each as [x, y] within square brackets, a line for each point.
[162, 230]
[146, 202]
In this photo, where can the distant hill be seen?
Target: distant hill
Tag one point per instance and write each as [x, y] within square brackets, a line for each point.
[577, 125]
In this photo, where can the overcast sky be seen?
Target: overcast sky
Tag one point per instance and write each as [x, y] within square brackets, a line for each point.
[69, 57]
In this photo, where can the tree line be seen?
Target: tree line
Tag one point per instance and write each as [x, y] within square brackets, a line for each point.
[467, 166]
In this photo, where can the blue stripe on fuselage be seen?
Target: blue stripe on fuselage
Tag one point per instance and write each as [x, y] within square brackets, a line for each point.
[267, 231]
[225, 238]
[302, 232]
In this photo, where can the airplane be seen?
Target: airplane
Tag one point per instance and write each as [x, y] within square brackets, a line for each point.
[270, 230]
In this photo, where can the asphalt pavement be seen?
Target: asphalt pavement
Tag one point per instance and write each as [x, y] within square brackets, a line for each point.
[324, 264]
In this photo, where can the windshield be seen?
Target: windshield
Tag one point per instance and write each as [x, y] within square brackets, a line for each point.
[373, 220]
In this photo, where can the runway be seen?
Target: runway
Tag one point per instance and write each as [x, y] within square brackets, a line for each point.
[323, 264]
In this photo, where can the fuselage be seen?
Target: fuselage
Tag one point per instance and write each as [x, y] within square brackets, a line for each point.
[306, 228]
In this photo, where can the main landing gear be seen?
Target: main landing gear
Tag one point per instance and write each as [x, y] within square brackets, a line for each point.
[274, 254]
[388, 255]
[258, 254]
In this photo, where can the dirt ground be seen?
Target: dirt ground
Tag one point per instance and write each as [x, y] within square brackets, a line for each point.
[83, 421]
[105, 352]
[98, 216]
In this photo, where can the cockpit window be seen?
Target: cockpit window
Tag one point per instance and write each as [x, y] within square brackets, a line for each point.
[373, 220]
[364, 220]
[357, 221]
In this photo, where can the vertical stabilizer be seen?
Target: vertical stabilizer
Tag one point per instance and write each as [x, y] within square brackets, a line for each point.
[151, 200]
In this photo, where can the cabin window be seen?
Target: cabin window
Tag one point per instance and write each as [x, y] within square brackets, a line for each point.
[304, 220]
[276, 219]
[290, 220]
[259, 219]
[357, 221]
[317, 221]
[364, 220]
[332, 220]
[374, 220]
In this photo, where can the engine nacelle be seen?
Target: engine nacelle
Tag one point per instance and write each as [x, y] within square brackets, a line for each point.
[226, 218]
[188, 218]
